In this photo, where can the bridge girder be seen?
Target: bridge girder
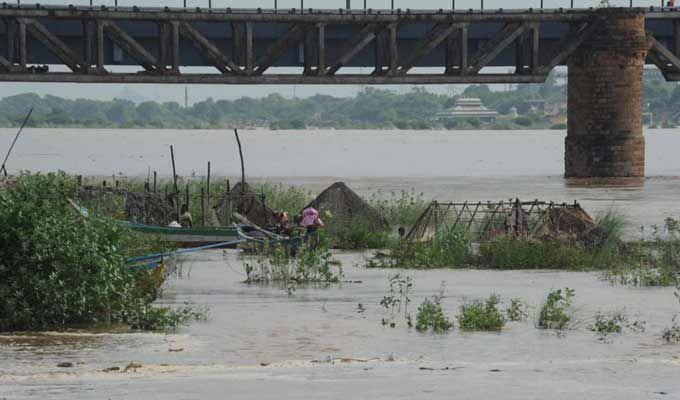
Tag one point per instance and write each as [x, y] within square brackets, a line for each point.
[401, 42]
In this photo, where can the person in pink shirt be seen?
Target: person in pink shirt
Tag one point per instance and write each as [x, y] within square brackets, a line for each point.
[311, 222]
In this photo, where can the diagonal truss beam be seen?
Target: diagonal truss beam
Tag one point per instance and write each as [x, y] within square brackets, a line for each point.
[131, 47]
[669, 61]
[4, 63]
[570, 43]
[53, 43]
[276, 50]
[358, 42]
[496, 45]
[434, 38]
[208, 50]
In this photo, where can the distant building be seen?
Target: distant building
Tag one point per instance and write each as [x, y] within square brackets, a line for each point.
[469, 108]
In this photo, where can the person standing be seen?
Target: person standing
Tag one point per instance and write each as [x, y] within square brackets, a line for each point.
[311, 222]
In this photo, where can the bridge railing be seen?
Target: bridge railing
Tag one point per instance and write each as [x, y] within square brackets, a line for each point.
[353, 4]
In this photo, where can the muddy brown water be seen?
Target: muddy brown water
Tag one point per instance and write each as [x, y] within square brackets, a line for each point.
[447, 166]
[260, 343]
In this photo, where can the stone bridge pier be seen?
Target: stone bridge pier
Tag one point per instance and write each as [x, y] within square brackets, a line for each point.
[604, 136]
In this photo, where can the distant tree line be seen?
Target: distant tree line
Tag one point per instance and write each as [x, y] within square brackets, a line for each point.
[370, 109]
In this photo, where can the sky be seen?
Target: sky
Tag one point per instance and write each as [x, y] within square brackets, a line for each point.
[167, 92]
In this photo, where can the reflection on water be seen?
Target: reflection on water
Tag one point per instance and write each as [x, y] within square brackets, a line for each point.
[261, 343]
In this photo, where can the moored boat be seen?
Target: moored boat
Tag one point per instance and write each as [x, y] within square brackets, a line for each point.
[188, 237]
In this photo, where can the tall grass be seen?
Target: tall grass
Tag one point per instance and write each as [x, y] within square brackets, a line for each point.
[522, 253]
[612, 226]
[653, 261]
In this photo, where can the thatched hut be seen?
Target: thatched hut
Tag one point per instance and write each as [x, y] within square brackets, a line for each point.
[340, 203]
[243, 199]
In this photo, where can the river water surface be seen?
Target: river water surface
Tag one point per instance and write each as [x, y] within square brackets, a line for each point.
[260, 343]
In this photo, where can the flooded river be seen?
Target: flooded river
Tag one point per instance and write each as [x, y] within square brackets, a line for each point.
[260, 343]
[454, 166]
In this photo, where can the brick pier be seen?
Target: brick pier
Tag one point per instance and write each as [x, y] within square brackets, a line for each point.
[605, 137]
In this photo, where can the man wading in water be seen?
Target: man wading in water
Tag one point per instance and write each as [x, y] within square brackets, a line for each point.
[311, 222]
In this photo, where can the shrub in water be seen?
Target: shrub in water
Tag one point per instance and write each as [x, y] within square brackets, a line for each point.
[58, 269]
[431, 315]
[309, 266]
[653, 262]
[448, 248]
[607, 324]
[482, 315]
[555, 313]
[398, 297]
[517, 310]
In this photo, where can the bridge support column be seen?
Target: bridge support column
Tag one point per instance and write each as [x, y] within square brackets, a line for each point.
[605, 138]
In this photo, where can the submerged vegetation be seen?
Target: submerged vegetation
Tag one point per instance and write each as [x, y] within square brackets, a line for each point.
[481, 315]
[59, 270]
[672, 334]
[397, 299]
[653, 261]
[277, 265]
[613, 323]
[517, 310]
[556, 312]
[431, 316]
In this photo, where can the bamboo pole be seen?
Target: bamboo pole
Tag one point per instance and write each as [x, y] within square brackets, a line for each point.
[202, 207]
[3, 168]
[155, 180]
[174, 180]
[208, 184]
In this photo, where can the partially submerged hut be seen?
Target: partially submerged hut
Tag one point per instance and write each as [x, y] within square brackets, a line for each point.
[243, 200]
[340, 203]
[150, 208]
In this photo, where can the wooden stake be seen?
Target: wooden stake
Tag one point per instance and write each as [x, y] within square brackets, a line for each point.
[240, 153]
[155, 178]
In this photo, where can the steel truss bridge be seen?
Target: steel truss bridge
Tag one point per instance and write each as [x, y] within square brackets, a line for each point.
[160, 45]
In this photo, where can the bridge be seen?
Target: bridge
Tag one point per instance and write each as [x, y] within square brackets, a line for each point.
[605, 51]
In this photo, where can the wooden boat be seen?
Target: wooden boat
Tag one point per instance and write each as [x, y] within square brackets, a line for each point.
[189, 237]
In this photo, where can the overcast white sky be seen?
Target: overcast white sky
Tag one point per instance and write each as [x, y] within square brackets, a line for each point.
[201, 92]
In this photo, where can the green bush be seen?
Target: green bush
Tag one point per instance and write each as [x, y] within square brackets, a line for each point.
[58, 269]
[431, 315]
[561, 126]
[448, 248]
[482, 315]
[555, 312]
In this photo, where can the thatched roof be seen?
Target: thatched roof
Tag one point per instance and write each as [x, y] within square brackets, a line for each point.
[339, 202]
[246, 202]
